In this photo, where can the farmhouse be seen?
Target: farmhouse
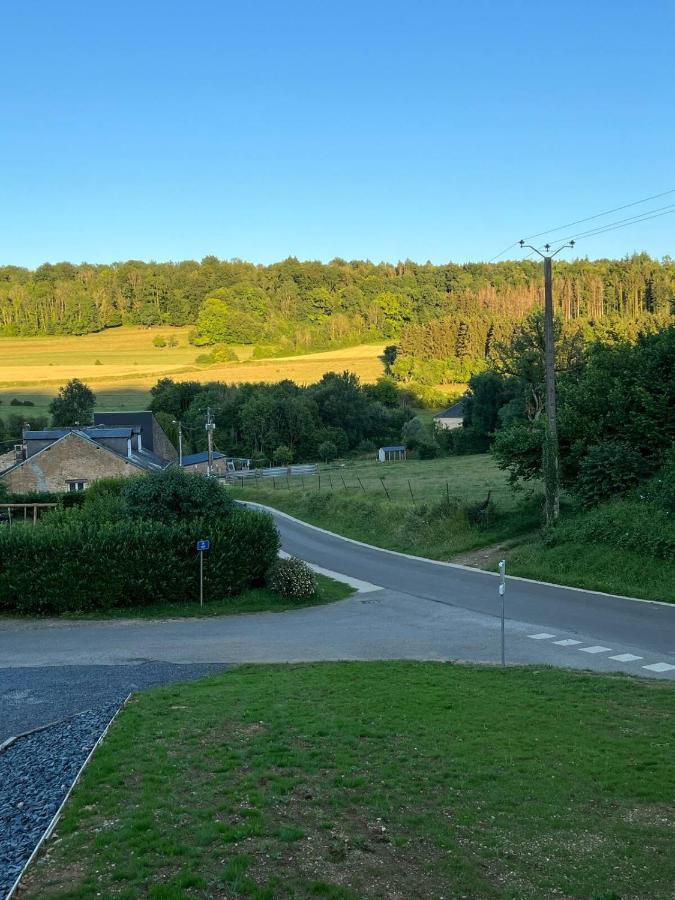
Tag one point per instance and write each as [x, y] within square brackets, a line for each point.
[452, 417]
[153, 436]
[58, 460]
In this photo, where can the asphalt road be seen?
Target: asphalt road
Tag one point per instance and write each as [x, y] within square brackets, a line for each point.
[603, 617]
[408, 608]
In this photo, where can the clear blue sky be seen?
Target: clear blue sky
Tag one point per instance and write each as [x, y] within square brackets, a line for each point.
[419, 130]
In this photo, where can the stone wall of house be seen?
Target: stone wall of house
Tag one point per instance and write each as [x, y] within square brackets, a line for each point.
[71, 459]
[219, 467]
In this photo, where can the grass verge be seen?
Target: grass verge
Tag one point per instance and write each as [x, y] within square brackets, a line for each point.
[251, 601]
[396, 780]
[597, 567]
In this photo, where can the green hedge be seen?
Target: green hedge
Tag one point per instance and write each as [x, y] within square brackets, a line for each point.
[71, 565]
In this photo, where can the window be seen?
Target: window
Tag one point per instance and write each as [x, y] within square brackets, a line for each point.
[76, 486]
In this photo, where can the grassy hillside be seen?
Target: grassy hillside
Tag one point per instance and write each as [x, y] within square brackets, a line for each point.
[121, 365]
[423, 523]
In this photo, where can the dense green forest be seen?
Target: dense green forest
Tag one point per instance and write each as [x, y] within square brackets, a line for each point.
[295, 306]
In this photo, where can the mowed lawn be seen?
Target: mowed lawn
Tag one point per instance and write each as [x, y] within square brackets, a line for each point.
[388, 780]
[121, 365]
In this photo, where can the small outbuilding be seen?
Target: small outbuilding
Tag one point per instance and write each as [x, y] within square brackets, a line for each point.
[199, 462]
[452, 417]
[391, 454]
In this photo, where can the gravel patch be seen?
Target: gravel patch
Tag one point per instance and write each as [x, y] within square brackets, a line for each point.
[36, 772]
[32, 696]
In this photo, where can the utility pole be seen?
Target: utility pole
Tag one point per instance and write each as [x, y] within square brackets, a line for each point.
[551, 462]
[180, 443]
[210, 428]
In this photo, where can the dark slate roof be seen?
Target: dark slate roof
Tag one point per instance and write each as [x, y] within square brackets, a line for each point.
[53, 434]
[146, 460]
[195, 458]
[142, 419]
[397, 447]
[456, 411]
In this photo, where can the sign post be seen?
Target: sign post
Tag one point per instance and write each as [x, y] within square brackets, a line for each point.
[202, 547]
[502, 591]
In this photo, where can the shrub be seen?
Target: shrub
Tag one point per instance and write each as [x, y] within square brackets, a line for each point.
[627, 523]
[67, 564]
[292, 579]
[159, 341]
[608, 470]
[283, 455]
[327, 451]
[463, 440]
[173, 494]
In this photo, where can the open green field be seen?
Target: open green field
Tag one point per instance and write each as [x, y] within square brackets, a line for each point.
[413, 481]
[415, 518]
[418, 506]
[383, 780]
[121, 365]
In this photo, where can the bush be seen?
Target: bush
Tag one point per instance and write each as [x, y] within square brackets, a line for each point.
[283, 455]
[633, 524]
[66, 564]
[608, 470]
[463, 440]
[292, 579]
[159, 341]
[427, 449]
[173, 494]
[327, 451]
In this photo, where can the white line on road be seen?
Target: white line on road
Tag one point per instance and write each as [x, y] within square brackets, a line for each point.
[659, 667]
[544, 636]
[625, 657]
[595, 649]
[567, 642]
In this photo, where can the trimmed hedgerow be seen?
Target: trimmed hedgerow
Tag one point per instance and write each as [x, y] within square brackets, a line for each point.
[292, 579]
[72, 565]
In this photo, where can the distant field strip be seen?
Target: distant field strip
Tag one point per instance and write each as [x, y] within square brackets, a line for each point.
[122, 364]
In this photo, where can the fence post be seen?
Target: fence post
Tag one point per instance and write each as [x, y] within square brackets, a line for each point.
[361, 483]
[331, 481]
[502, 591]
[411, 491]
[319, 477]
[385, 489]
[343, 481]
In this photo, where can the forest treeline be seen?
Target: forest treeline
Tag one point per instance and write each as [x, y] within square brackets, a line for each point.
[294, 306]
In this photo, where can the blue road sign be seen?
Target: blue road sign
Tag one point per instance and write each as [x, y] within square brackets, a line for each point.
[202, 545]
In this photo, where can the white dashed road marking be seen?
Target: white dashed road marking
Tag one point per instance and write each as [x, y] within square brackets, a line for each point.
[659, 667]
[596, 648]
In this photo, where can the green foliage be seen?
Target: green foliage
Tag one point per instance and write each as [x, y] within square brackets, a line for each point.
[292, 579]
[175, 495]
[608, 470]
[159, 341]
[74, 404]
[220, 354]
[631, 524]
[519, 448]
[328, 451]
[67, 563]
[463, 441]
[283, 455]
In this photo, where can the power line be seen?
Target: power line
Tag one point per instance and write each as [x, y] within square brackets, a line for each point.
[586, 219]
[623, 223]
